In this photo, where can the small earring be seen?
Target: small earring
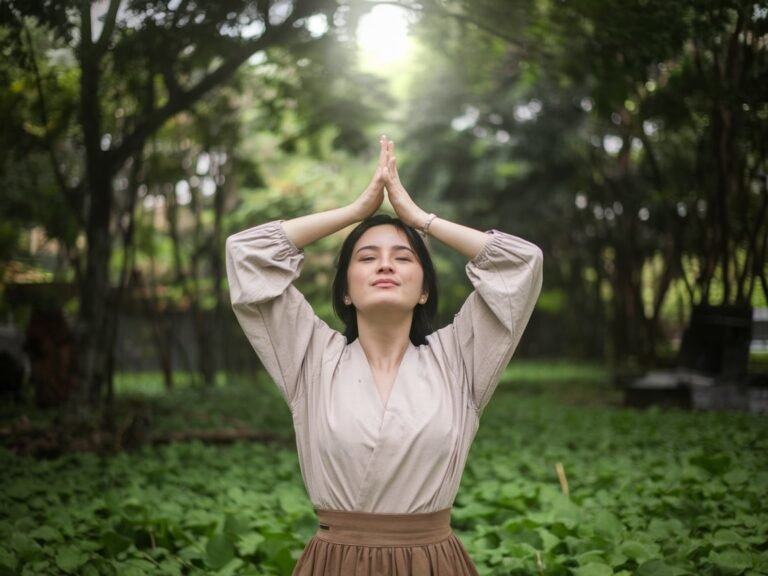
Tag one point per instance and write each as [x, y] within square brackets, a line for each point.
[347, 300]
[422, 300]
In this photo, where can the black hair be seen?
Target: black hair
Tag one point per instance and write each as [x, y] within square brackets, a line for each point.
[423, 314]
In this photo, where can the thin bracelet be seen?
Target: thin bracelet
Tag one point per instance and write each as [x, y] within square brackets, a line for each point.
[425, 228]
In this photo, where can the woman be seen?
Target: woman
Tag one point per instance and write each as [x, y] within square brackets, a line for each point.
[384, 414]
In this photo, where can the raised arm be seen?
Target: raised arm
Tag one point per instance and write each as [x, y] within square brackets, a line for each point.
[463, 239]
[307, 229]
[506, 274]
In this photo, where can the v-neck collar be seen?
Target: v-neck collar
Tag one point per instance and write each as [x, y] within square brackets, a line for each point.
[371, 381]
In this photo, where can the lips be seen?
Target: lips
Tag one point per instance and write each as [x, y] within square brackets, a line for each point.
[385, 283]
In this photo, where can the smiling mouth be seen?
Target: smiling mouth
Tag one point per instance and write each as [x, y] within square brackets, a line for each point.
[385, 283]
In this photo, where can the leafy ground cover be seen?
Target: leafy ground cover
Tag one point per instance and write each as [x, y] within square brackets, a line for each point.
[649, 493]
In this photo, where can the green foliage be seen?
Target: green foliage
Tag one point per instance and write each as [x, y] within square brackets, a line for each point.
[623, 137]
[651, 493]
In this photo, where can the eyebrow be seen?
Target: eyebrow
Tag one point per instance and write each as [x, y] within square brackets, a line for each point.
[378, 248]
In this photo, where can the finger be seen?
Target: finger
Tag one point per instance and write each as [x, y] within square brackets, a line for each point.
[383, 150]
[392, 168]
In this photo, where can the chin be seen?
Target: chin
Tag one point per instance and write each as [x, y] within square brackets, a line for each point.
[390, 305]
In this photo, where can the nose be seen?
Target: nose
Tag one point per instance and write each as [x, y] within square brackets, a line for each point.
[385, 265]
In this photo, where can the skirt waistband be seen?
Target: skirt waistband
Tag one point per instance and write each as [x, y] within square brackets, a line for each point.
[368, 529]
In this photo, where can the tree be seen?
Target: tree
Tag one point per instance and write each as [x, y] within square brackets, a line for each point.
[623, 137]
[138, 64]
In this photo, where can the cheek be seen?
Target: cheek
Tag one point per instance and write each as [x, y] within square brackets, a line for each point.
[354, 275]
[416, 280]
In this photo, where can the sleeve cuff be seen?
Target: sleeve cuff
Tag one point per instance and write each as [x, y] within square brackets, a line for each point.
[287, 242]
[483, 257]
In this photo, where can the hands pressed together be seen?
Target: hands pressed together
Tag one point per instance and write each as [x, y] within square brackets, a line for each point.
[386, 180]
[304, 230]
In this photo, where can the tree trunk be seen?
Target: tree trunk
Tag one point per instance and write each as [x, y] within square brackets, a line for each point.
[95, 294]
[217, 266]
[201, 319]
[94, 291]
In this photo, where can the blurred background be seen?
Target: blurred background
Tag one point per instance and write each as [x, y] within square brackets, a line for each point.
[627, 139]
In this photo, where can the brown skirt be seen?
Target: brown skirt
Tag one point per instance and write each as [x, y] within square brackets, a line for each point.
[363, 544]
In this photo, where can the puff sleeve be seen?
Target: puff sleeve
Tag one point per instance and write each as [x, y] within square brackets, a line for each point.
[262, 264]
[507, 278]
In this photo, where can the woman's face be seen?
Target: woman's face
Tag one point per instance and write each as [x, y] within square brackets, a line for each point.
[384, 272]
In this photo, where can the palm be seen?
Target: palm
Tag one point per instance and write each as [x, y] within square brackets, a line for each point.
[405, 208]
[373, 196]
[385, 177]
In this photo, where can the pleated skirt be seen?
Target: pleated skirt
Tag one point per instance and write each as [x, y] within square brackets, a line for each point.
[364, 544]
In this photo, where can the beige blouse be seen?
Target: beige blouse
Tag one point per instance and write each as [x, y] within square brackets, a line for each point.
[357, 453]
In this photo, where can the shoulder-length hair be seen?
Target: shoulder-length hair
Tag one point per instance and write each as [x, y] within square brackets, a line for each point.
[423, 314]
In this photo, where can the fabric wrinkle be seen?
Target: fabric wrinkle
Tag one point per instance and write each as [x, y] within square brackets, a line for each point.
[357, 454]
[363, 544]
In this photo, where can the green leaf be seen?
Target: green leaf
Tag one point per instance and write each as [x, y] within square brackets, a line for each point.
[607, 525]
[114, 543]
[655, 568]
[616, 558]
[236, 494]
[219, 551]
[200, 518]
[530, 537]
[7, 560]
[89, 570]
[231, 567]
[25, 547]
[715, 464]
[284, 561]
[731, 561]
[660, 529]
[639, 551]
[136, 567]
[46, 534]
[593, 569]
[726, 537]
[235, 526]
[23, 489]
[26, 524]
[548, 539]
[517, 550]
[249, 543]
[70, 559]
[36, 568]
[170, 567]
[591, 557]
[191, 553]
[736, 477]
[292, 501]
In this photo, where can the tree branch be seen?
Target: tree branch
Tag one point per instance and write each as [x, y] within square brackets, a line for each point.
[109, 25]
[70, 194]
[652, 159]
[86, 34]
[184, 99]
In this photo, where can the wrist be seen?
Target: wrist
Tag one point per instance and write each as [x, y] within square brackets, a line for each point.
[426, 222]
[354, 212]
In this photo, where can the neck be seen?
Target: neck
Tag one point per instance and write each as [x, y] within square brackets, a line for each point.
[384, 342]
